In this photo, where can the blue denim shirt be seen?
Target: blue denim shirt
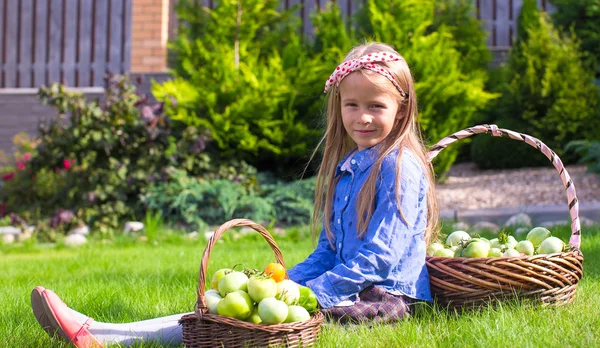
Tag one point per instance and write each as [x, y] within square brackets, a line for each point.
[392, 252]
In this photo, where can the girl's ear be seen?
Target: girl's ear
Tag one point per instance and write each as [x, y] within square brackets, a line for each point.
[401, 111]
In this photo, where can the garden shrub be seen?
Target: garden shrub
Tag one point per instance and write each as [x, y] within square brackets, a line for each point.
[547, 91]
[583, 17]
[243, 73]
[293, 202]
[97, 157]
[588, 152]
[450, 93]
[197, 202]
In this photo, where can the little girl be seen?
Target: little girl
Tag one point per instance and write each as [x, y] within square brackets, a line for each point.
[375, 187]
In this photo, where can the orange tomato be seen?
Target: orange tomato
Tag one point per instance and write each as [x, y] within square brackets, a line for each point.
[275, 271]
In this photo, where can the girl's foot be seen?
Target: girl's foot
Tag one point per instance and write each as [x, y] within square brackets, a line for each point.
[40, 312]
[60, 319]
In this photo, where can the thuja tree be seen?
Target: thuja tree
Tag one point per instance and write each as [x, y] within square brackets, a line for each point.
[243, 73]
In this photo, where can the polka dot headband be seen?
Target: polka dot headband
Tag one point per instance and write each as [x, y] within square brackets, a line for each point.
[365, 62]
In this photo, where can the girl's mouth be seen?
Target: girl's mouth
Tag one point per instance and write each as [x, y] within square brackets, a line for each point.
[363, 132]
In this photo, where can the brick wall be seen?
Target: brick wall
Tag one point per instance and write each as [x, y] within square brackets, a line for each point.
[149, 35]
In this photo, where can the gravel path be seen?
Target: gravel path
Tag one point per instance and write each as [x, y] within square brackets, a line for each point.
[469, 187]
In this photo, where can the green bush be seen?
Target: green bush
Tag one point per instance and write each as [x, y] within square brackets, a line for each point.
[546, 92]
[243, 73]
[583, 17]
[450, 93]
[588, 152]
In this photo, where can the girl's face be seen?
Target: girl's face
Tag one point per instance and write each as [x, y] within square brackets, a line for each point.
[368, 113]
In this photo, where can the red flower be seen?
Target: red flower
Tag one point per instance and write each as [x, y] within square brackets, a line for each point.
[67, 164]
[8, 176]
[27, 157]
[20, 165]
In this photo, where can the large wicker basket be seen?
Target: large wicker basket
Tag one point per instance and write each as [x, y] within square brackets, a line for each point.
[202, 329]
[473, 282]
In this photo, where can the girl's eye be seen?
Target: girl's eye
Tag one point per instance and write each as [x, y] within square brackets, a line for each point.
[351, 104]
[377, 106]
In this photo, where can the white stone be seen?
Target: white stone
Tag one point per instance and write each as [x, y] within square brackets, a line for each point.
[83, 230]
[520, 219]
[9, 230]
[521, 231]
[133, 226]
[245, 230]
[208, 235]
[487, 226]
[279, 231]
[460, 226]
[74, 240]
[583, 221]
[192, 235]
[8, 238]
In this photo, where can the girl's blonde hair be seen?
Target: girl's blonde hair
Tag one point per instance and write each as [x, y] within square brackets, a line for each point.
[338, 144]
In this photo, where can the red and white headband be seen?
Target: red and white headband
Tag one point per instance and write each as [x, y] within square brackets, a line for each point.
[365, 62]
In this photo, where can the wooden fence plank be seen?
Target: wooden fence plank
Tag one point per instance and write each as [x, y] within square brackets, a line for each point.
[54, 47]
[115, 19]
[11, 43]
[25, 44]
[69, 63]
[502, 24]
[126, 45]
[2, 39]
[310, 7]
[40, 43]
[100, 43]
[84, 43]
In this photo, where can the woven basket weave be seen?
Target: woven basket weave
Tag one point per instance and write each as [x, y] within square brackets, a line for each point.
[472, 282]
[202, 329]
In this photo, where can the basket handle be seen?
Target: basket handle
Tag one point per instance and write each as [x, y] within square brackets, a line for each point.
[201, 303]
[575, 240]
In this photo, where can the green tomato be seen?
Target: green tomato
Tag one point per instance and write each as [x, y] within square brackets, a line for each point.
[456, 237]
[308, 299]
[288, 292]
[214, 281]
[551, 245]
[237, 304]
[512, 242]
[510, 252]
[444, 253]
[233, 281]
[458, 251]
[525, 247]
[494, 252]
[272, 311]
[296, 314]
[259, 288]
[212, 298]
[254, 317]
[476, 249]
[433, 247]
[537, 235]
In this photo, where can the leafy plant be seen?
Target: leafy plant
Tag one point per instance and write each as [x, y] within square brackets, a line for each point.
[547, 91]
[588, 152]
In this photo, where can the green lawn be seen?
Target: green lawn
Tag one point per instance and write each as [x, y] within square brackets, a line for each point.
[123, 281]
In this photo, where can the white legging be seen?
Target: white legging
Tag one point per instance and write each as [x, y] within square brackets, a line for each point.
[164, 330]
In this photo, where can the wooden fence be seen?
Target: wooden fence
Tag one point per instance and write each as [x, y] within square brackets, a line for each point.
[499, 16]
[77, 41]
[70, 41]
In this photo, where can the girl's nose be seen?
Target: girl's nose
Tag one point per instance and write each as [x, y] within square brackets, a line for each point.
[365, 118]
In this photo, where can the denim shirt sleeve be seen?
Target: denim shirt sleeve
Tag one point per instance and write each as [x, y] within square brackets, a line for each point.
[321, 260]
[385, 241]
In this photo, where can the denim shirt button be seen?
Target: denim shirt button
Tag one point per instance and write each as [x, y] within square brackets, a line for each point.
[339, 221]
[346, 198]
[353, 161]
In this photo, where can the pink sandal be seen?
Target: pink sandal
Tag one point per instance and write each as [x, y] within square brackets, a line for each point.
[60, 320]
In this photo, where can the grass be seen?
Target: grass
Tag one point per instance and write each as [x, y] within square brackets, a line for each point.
[123, 281]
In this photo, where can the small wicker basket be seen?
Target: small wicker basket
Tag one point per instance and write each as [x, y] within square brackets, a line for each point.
[473, 282]
[202, 329]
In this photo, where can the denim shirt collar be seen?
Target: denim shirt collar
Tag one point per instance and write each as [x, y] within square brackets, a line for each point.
[358, 160]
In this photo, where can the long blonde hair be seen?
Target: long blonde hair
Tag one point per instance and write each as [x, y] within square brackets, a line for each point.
[338, 144]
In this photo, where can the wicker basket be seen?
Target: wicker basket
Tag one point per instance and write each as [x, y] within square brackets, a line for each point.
[472, 282]
[202, 329]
